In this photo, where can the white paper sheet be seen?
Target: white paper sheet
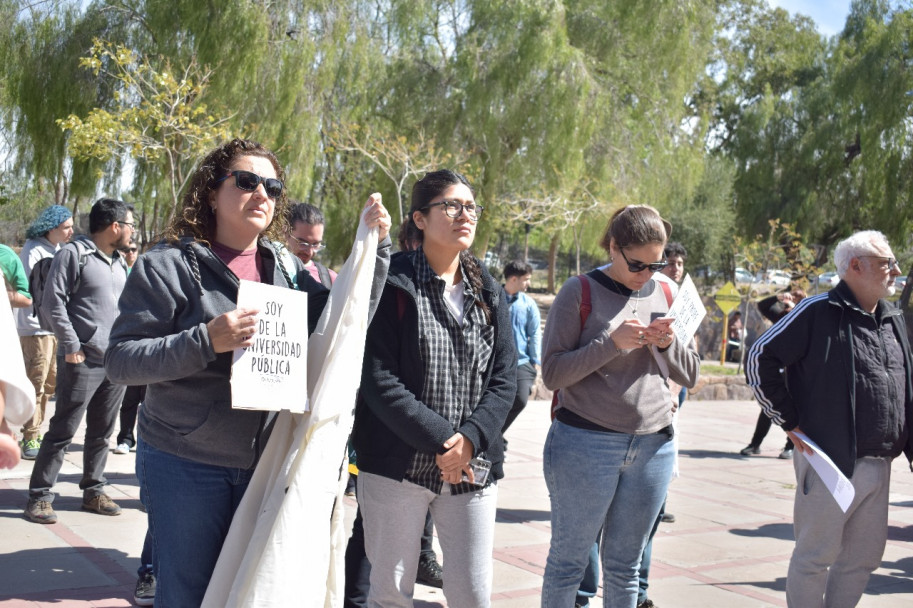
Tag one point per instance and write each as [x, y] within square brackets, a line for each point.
[835, 481]
[688, 311]
[271, 374]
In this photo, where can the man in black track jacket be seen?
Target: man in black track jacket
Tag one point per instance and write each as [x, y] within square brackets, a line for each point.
[838, 370]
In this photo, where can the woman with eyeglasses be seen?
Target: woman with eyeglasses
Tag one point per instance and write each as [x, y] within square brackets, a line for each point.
[437, 383]
[176, 332]
[608, 456]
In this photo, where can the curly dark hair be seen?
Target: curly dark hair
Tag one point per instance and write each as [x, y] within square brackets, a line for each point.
[195, 217]
[424, 190]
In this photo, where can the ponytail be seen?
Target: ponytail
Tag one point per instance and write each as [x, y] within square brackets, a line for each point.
[472, 272]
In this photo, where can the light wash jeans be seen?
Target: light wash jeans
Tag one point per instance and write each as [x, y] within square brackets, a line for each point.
[394, 517]
[597, 479]
[837, 552]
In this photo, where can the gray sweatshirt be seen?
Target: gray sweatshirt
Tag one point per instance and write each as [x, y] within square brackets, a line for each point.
[622, 390]
[34, 250]
[161, 340]
[82, 304]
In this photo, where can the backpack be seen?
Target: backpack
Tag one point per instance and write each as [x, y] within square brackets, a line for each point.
[38, 278]
[325, 279]
[586, 306]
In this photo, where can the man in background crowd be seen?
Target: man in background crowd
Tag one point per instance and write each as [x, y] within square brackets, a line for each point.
[52, 228]
[306, 240]
[83, 287]
[525, 322]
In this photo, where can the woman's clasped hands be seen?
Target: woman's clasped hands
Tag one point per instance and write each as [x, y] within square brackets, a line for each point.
[455, 461]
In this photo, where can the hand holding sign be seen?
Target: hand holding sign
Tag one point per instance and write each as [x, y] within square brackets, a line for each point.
[270, 343]
[233, 330]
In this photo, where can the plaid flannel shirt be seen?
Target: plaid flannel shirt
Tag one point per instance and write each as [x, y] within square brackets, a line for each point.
[456, 357]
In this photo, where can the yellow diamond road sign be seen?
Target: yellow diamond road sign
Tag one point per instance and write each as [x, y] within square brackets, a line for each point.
[727, 298]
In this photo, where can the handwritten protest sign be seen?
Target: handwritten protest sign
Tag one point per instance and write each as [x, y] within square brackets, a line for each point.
[688, 311]
[271, 374]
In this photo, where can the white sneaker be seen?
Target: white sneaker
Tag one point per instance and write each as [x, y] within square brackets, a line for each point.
[122, 448]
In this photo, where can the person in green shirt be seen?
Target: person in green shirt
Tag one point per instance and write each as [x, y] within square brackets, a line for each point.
[17, 283]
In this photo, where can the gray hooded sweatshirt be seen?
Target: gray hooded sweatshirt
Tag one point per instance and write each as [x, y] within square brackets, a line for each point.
[161, 340]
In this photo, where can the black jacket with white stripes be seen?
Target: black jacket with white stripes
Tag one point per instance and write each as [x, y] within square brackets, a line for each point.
[803, 371]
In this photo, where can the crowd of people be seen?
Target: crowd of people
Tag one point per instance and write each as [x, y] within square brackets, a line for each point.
[451, 358]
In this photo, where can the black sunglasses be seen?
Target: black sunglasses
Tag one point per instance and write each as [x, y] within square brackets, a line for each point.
[640, 266]
[247, 181]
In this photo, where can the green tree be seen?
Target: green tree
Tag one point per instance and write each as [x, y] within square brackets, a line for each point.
[158, 118]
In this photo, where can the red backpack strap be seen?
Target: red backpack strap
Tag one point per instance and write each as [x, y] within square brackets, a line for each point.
[586, 307]
[668, 291]
[586, 303]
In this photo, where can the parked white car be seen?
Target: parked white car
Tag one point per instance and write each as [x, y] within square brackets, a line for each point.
[828, 279]
[743, 276]
[778, 277]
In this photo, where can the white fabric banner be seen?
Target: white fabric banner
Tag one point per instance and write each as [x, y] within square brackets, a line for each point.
[287, 539]
[20, 394]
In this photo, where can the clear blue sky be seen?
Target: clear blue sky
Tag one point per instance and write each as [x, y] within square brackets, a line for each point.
[830, 15]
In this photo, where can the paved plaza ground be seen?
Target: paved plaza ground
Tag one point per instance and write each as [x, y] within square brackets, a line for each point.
[729, 546]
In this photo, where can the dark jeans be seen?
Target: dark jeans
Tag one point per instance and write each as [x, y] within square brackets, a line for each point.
[643, 574]
[526, 377]
[133, 396]
[83, 389]
[358, 568]
[190, 507]
[760, 432]
[145, 558]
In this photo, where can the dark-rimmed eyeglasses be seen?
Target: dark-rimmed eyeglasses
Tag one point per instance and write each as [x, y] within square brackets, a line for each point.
[131, 224]
[306, 245]
[891, 262]
[640, 266]
[248, 181]
[454, 209]
[130, 250]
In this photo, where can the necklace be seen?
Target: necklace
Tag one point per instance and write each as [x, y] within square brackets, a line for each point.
[635, 295]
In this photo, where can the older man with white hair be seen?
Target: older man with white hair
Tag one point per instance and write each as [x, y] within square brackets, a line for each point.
[838, 370]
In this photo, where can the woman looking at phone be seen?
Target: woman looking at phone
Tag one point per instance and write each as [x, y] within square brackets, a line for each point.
[438, 381]
[609, 454]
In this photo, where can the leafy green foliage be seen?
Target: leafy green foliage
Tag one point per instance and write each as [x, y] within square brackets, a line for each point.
[157, 117]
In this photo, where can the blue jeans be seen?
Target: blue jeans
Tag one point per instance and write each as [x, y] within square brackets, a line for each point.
[598, 479]
[590, 583]
[190, 507]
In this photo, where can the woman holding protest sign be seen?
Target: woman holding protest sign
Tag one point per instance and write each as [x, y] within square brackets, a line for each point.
[438, 381]
[176, 332]
[609, 347]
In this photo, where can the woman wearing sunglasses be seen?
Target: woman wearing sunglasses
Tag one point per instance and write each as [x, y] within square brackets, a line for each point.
[176, 332]
[438, 381]
[608, 456]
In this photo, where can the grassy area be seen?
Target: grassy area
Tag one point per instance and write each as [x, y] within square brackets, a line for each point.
[718, 370]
